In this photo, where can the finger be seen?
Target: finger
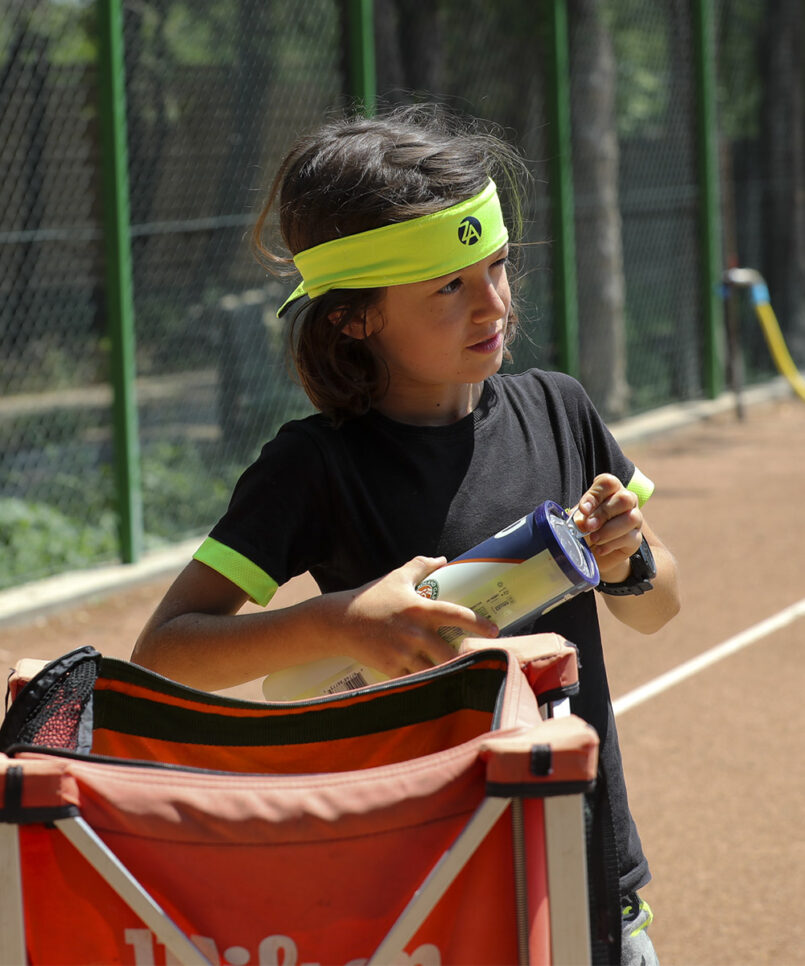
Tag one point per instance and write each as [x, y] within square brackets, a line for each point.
[603, 487]
[419, 567]
[454, 615]
[614, 522]
[419, 648]
[620, 506]
[623, 545]
[419, 652]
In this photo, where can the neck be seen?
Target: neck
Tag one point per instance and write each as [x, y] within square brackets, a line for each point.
[437, 410]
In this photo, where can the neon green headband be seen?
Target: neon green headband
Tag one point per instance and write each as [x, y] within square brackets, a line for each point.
[407, 251]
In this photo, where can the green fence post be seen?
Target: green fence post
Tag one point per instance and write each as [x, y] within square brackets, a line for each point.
[119, 293]
[361, 54]
[709, 204]
[561, 188]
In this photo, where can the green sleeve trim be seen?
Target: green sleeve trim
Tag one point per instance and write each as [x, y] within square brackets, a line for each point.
[237, 568]
[641, 485]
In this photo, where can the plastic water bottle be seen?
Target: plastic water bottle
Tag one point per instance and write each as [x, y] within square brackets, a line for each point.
[528, 568]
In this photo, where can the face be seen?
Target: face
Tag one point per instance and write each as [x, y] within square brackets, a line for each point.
[442, 337]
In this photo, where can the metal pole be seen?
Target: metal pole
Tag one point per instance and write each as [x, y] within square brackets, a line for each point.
[562, 205]
[361, 54]
[12, 907]
[438, 880]
[104, 861]
[567, 880]
[709, 207]
[119, 294]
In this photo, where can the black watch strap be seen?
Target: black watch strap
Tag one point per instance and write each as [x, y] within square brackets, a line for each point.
[644, 570]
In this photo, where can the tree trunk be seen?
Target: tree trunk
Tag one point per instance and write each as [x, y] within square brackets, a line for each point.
[601, 288]
[408, 37]
[685, 357]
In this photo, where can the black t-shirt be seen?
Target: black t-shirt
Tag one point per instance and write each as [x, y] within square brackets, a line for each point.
[352, 503]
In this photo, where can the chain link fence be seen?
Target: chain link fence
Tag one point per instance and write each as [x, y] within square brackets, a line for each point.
[215, 93]
[761, 88]
[57, 502]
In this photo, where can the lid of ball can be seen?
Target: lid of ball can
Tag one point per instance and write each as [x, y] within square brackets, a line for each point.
[562, 539]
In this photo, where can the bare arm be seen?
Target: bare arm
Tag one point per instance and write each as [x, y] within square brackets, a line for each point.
[197, 636]
[608, 513]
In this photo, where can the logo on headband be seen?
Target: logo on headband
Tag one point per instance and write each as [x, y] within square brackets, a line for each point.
[469, 231]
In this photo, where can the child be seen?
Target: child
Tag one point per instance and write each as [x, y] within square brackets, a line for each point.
[420, 446]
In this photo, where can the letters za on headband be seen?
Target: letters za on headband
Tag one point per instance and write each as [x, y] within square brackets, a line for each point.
[407, 251]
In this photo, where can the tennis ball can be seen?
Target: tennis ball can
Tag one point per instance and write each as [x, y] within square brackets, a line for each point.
[523, 571]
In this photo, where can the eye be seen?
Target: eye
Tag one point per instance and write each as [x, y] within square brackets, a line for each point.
[452, 286]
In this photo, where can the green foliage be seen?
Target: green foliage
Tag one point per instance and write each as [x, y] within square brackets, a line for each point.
[65, 26]
[739, 79]
[170, 338]
[31, 432]
[184, 492]
[643, 57]
[48, 362]
[200, 40]
[649, 44]
[37, 540]
[66, 524]
[205, 33]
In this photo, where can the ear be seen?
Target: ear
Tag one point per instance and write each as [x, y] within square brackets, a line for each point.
[357, 327]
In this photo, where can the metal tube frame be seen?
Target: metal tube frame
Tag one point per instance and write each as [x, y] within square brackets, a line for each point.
[362, 75]
[12, 913]
[116, 875]
[566, 312]
[119, 291]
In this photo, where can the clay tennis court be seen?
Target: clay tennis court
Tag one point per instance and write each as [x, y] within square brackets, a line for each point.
[713, 756]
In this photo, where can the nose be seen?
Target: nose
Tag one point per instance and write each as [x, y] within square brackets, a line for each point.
[492, 299]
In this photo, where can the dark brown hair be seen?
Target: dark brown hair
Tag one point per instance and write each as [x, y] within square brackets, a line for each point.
[355, 174]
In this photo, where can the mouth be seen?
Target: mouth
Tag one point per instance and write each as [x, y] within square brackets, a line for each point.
[492, 344]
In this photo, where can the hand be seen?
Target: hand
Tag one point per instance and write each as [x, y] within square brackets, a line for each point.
[389, 626]
[609, 516]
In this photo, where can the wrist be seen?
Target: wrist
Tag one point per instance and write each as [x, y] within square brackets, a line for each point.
[641, 571]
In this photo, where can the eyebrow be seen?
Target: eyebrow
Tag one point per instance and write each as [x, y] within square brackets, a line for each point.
[494, 256]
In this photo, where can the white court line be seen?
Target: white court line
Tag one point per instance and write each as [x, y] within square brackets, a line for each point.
[665, 681]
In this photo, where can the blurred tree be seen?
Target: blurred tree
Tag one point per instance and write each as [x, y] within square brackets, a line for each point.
[599, 252]
[679, 132]
[149, 65]
[410, 53]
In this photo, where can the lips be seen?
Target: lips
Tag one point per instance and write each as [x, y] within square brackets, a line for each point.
[492, 344]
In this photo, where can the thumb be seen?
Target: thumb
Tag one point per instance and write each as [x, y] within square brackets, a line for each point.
[602, 487]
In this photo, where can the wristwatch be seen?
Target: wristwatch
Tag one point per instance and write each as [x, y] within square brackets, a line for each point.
[644, 570]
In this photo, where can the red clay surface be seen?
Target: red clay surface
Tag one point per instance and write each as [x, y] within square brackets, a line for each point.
[714, 764]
